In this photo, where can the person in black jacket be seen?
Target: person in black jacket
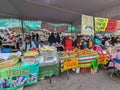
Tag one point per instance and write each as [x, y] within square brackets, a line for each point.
[37, 37]
[113, 41]
[52, 39]
[77, 42]
[58, 38]
[1, 42]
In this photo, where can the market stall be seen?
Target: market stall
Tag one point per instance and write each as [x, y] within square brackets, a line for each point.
[37, 64]
[15, 74]
[49, 65]
[45, 61]
[78, 58]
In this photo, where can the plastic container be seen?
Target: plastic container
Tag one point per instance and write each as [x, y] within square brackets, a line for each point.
[48, 53]
[30, 60]
[6, 50]
[48, 61]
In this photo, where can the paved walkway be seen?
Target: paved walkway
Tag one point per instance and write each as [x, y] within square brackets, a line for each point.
[99, 81]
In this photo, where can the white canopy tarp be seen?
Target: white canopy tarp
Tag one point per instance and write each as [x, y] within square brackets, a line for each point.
[59, 11]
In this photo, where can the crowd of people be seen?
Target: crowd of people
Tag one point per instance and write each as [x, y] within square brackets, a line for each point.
[81, 41]
[19, 40]
[26, 41]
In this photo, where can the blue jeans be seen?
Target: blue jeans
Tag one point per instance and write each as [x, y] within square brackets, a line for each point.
[116, 60]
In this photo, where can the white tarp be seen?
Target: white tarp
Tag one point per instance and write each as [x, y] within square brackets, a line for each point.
[66, 11]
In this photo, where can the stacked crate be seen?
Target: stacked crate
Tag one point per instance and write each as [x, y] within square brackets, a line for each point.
[48, 63]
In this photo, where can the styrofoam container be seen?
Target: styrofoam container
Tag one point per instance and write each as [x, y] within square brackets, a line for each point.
[30, 60]
[45, 61]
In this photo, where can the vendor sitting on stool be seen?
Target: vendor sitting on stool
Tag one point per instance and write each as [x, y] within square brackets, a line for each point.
[28, 44]
[117, 56]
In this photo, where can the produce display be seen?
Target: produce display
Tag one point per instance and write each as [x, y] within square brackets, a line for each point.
[68, 54]
[77, 52]
[85, 52]
[47, 48]
[8, 63]
[103, 59]
[31, 53]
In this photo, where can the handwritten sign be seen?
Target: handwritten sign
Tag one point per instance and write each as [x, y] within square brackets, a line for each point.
[101, 24]
[70, 63]
[112, 25]
[87, 25]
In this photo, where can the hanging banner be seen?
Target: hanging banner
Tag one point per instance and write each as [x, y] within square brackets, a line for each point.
[87, 25]
[70, 63]
[112, 25]
[48, 26]
[101, 24]
[61, 28]
[32, 25]
[18, 76]
[117, 32]
[118, 24]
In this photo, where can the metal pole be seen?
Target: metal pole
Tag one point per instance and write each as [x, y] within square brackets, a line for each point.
[22, 26]
[71, 28]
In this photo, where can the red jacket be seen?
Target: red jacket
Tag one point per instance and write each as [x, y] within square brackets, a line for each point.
[68, 45]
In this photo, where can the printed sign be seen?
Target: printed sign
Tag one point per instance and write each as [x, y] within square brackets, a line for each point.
[118, 24]
[101, 24]
[70, 63]
[18, 76]
[112, 25]
[87, 25]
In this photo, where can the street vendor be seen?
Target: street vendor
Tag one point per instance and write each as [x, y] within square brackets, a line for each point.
[28, 44]
[68, 43]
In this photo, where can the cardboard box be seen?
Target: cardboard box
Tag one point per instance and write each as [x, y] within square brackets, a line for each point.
[93, 71]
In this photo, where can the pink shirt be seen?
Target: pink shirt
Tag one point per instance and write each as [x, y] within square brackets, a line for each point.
[117, 55]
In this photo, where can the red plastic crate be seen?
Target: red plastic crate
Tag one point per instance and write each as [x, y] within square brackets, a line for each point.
[84, 70]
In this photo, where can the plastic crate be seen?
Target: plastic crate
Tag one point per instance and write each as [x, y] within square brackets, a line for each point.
[84, 70]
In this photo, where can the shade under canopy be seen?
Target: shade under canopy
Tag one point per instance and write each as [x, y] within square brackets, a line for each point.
[60, 11]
